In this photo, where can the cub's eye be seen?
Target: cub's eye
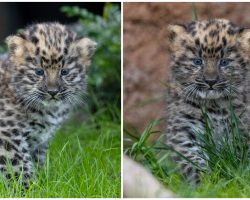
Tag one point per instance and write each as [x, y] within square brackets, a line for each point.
[64, 72]
[197, 61]
[39, 72]
[224, 62]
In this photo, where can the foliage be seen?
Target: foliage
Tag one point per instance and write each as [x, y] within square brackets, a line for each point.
[105, 71]
[145, 153]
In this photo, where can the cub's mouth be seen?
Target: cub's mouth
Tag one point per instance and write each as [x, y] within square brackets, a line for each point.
[53, 99]
[203, 91]
[51, 103]
[212, 89]
[211, 93]
[50, 100]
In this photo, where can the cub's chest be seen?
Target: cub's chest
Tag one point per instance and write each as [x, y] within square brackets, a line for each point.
[218, 125]
[41, 126]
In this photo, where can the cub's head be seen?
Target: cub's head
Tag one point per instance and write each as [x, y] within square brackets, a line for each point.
[49, 64]
[208, 59]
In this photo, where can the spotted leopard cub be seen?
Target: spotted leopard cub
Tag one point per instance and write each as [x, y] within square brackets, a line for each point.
[208, 65]
[41, 80]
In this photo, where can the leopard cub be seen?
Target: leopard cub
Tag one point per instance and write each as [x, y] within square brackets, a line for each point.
[209, 64]
[41, 79]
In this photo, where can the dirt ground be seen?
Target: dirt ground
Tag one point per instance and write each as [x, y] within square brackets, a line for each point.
[146, 59]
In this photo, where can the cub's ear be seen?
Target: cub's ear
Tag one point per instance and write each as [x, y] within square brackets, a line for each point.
[244, 40]
[174, 31]
[85, 48]
[18, 45]
[177, 34]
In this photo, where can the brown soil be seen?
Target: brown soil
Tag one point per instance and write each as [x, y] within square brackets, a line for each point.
[146, 58]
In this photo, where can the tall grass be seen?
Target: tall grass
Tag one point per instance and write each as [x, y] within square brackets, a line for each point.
[227, 153]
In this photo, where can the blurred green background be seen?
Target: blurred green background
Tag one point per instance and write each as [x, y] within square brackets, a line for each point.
[105, 72]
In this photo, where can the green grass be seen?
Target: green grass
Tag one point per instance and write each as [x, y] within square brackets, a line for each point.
[228, 160]
[83, 161]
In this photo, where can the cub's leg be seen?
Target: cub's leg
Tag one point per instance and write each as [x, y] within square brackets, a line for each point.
[39, 154]
[181, 139]
[15, 157]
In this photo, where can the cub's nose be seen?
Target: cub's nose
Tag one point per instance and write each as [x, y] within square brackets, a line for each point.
[53, 93]
[210, 82]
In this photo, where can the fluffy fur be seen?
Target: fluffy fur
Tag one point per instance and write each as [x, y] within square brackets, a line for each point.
[41, 80]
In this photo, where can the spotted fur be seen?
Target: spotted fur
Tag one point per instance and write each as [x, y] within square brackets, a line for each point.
[41, 80]
[209, 63]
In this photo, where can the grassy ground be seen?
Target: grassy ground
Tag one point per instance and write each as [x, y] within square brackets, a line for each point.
[212, 186]
[229, 164]
[83, 161]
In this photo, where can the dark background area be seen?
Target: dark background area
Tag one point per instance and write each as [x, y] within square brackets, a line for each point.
[17, 15]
